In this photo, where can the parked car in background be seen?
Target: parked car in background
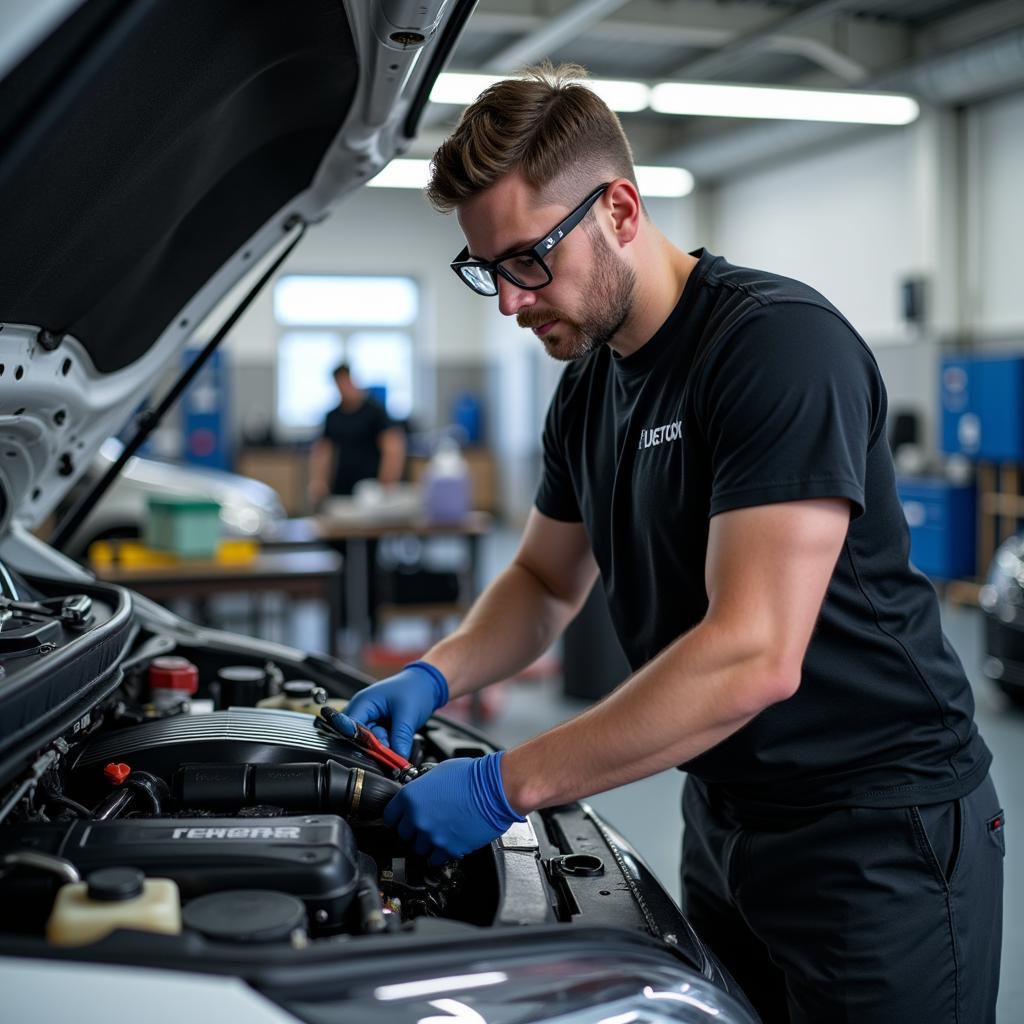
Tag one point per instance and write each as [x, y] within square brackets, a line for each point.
[248, 508]
[1002, 607]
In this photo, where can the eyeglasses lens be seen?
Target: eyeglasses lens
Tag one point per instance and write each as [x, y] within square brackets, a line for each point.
[525, 270]
[480, 280]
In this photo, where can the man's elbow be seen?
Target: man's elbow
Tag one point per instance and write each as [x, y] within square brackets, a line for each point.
[766, 680]
[779, 679]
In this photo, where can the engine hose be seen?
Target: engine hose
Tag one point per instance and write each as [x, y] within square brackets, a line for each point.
[331, 787]
[371, 913]
[119, 801]
[137, 785]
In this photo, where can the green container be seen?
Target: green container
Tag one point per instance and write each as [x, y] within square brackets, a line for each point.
[189, 527]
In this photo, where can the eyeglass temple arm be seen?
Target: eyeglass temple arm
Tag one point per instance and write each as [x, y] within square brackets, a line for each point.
[561, 230]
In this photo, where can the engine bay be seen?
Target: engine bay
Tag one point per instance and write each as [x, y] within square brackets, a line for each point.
[164, 783]
[211, 770]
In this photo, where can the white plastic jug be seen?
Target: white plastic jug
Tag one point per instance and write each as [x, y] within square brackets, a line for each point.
[446, 485]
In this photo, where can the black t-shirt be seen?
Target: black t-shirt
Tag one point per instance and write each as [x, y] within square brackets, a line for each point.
[356, 439]
[756, 390]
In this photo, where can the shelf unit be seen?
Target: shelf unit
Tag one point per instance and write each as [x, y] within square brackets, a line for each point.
[1000, 515]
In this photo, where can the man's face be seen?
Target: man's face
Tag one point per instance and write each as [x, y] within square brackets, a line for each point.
[346, 389]
[591, 292]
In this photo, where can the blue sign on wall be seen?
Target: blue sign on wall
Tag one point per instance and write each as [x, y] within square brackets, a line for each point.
[982, 400]
[204, 413]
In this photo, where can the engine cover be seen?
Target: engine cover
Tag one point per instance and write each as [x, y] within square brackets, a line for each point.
[238, 735]
[313, 857]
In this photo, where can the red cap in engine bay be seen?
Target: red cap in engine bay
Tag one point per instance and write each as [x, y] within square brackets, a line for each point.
[173, 673]
[117, 772]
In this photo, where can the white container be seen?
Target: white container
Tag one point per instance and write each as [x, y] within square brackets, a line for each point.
[446, 485]
[77, 919]
[282, 702]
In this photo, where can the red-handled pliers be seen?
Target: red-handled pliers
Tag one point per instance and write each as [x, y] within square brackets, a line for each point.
[362, 737]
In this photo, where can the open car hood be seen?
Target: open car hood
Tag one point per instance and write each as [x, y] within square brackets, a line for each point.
[151, 154]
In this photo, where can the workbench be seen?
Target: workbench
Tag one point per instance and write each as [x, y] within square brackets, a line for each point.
[297, 573]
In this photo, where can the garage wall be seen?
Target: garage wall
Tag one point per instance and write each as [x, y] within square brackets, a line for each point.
[995, 139]
[842, 221]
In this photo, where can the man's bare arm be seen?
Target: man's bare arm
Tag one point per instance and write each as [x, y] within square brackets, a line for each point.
[521, 613]
[767, 572]
[321, 456]
[392, 455]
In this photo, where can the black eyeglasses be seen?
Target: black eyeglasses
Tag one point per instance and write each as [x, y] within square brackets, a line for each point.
[525, 268]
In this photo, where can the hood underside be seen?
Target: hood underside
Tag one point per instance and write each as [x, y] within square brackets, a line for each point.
[141, 147]
[150, 154]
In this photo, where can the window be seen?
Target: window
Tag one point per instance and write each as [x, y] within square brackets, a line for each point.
[367, 322]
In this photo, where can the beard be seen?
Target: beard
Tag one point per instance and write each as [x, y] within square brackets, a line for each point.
[611, 285]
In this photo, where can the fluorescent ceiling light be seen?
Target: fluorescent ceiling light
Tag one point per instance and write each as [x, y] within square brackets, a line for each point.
[625, 97]
[402, 174]
[462, 89]
[705, 100]
[654, 182]
[672, 182]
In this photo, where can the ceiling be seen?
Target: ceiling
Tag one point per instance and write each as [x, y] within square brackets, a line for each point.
[946, 52]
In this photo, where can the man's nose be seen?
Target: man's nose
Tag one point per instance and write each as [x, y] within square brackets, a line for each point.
[512, 299]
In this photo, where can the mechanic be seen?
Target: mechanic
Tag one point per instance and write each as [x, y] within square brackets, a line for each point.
[716, 452]
[360, 442]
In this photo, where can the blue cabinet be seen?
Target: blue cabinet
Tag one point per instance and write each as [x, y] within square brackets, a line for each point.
[942, 521]
[982, 401]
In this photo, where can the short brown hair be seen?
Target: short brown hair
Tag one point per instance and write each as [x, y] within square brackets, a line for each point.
[558, 134]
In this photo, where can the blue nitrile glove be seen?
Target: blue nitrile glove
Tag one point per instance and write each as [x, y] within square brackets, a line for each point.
[453, 809]
[403, 702]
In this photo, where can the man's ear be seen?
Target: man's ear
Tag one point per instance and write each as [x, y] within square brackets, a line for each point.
[622, 201]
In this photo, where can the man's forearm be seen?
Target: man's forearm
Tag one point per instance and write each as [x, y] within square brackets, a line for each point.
[511, 624]
[392, 456]
[319, 465]
[698, 691]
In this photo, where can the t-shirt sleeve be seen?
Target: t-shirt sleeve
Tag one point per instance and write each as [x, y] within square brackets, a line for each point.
[792, 403]
[556, 497]
[329, 426]
[381, 420]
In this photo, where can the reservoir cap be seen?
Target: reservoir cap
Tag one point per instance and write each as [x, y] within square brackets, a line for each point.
[113, 885]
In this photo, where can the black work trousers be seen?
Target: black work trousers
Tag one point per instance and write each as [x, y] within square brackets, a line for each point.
[857, 914]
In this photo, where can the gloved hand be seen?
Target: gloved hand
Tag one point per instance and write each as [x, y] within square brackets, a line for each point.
[403, 702]
[453, 809]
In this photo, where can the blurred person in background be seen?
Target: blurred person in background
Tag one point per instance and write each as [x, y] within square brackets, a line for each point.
[360, 442]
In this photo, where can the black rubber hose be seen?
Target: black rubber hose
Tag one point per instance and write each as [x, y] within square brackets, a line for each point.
[350, 792]
[65, 801]
[152, 788]
[119, 801]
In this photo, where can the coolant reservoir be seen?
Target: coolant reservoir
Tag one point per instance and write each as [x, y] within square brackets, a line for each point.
[113, 898]
[300, 695]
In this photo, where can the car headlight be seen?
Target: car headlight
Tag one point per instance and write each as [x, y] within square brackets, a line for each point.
[573, 986]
